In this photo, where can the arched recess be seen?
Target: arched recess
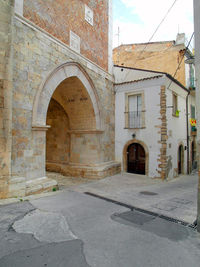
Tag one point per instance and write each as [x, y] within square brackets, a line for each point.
[125, 158]
[45, 92]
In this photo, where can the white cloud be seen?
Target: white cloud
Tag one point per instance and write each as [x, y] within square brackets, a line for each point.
[149, 15]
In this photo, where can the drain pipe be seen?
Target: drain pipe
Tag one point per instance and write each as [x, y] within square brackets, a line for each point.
[187, 125]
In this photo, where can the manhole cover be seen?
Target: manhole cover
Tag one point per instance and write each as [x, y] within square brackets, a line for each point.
[148, 193]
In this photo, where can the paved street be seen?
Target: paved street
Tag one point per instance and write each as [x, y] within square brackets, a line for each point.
[175, 198]
[71, 228]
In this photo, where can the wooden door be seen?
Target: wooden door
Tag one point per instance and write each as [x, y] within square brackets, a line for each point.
[180, 159]
[136, 159]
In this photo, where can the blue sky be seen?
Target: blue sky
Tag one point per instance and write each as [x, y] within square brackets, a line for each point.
[138, 19]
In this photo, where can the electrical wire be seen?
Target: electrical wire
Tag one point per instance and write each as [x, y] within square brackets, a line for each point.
[168, 11]
[181, 60]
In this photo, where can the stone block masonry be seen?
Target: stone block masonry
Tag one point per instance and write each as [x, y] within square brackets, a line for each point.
[60, 17]
[163, 135]
[89, 150]
[6, 24]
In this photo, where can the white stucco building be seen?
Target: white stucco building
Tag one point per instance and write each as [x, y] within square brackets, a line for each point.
[152, 131]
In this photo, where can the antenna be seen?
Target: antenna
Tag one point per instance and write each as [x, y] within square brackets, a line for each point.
[118, 35]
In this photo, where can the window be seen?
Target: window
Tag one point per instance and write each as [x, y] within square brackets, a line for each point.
[175, 110]
[134, 111]
[192, 112]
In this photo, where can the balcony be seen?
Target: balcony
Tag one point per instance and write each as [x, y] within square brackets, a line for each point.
[134, 120]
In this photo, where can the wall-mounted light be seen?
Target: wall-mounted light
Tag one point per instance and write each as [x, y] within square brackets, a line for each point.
[133, 135]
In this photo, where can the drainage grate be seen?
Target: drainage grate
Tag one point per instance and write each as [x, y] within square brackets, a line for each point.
[193, 226]
[148, 193]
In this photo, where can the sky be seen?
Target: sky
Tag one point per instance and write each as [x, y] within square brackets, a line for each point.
[138, 19]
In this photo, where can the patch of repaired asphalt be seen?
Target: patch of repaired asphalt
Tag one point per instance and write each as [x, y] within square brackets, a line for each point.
[152, 224]
[132, 217]
[45, 226]
[12, 212]
[172, 204]
[64, 254]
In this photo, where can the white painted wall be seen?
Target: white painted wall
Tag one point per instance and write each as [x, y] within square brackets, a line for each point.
[177, 129]
[149, 135]
[187, 74]
[122, 74]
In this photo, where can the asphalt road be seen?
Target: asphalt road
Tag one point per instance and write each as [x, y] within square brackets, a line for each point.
[74, 229]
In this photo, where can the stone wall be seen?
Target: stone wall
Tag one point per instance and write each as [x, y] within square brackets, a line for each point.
[197, 71]
[57, 139]
[59, 17]
[158, 56]
[36, 54]
[162, 160]
[6, 20]
[76, 102]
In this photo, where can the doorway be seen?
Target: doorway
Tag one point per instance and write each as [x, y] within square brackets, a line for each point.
[136, 159]
[180, 159]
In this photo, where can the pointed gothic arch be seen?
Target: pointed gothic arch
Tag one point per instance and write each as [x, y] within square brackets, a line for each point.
[47, 88]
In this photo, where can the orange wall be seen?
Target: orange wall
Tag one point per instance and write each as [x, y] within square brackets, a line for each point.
[60, 16]
[163, 57]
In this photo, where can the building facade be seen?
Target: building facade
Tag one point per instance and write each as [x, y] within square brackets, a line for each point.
[158, 56]
[197, 70]
[153, 135]
[57, 99]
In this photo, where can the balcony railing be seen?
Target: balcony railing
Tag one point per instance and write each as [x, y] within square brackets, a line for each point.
[134, 119]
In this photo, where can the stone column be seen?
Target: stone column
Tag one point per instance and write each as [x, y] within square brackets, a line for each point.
[163, 133]
[6, 21]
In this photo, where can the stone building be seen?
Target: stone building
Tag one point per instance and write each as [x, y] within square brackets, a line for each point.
[56, 92]
[158, 56]
[152, 111]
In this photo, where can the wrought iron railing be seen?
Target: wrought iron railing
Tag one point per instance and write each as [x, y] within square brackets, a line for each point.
[134, 119]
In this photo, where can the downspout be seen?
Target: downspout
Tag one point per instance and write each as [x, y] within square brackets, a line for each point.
[187, 125]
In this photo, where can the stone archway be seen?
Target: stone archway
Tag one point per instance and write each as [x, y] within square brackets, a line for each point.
[46, 90]
[125, 155]
[68, 102]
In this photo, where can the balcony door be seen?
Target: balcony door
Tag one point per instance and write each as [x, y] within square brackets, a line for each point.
[135, 111]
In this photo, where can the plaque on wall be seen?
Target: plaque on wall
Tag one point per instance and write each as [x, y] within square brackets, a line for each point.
[74, 42]
[88, 15]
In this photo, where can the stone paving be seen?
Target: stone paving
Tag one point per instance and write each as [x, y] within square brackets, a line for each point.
[176, 198]
[70, 228]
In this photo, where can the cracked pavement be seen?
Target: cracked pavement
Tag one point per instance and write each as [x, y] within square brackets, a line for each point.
[70, 228]
[74, 229]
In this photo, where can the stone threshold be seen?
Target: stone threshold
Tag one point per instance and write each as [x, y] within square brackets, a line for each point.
[18, 186]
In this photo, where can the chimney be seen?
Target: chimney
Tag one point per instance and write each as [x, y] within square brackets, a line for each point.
[180, 39]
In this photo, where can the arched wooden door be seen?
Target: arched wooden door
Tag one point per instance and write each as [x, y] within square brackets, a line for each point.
[136, 159]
